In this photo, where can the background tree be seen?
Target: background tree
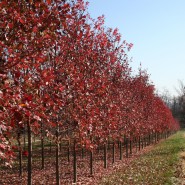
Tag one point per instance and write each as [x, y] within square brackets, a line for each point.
[178, 103]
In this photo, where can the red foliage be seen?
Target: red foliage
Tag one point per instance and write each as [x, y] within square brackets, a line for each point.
[25, 153]
[60, 67]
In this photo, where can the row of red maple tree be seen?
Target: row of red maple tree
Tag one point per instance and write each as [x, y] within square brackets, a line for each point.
[61, 69]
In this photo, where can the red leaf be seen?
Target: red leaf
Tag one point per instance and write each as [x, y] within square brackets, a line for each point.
[2, 146]
[49, 2]
[17, 74]
[22, 21]
[12, 123]
[65, 5]
[10, 25]
[81, 34]
[28, 97]
[28, 113]
[61, 88]
[52, 124]
[36, 124]
[35, 29]
[14, 147]
[25, 153]
[47, 36]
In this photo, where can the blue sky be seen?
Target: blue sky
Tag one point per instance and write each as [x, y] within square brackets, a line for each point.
[157, 30]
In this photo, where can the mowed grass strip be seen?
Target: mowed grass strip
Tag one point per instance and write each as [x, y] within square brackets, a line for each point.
[157, 167]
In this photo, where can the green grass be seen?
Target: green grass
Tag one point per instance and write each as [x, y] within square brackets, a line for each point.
[156, 167]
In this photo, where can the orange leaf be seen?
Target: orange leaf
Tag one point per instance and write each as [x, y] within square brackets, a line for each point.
[22, 105]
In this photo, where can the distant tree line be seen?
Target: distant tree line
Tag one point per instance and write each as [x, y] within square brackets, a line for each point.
[176, 103]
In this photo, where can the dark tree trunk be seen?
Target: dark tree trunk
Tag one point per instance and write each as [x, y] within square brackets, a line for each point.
[91, 162]
[50, 146]
[20, 155]
[136, 144]
[74, 163]
[113, 152]
[149, 139]
[29, 153]
[130, 147]
[108, 147]
[120, 150]
[82, 153]
[68, 152]
[42, 145]
[57, 158]
[60, 147]
[139, 143]
[24, 137]
[105, 156]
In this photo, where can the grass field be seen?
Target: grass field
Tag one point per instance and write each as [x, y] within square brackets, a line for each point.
[160, 166]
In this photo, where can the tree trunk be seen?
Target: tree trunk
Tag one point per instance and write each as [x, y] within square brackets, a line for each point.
[82, 152]
[24, 137]
[57, 158]
[74, 163]
[130, 147]
[29, 153]
[113, 152]
[105, 156]
[142, 144]
[91, 162]
[120, 150]
[139, 143]
[50, 146]
[42, 145]
[20, 155]
[68, 152]
[60, 145]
